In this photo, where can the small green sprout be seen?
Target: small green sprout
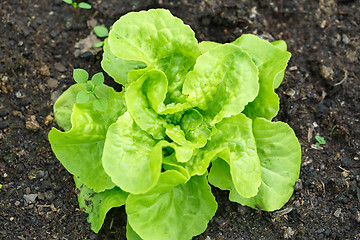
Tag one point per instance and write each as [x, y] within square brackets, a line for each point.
[320, 140]
[332, 130]
[83, 5]
[0, 186]
[81, 76]
[101, 32]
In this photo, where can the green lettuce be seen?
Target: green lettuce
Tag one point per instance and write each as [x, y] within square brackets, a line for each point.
[189, 114]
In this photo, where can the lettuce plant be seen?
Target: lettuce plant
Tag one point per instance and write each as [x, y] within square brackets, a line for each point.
[189, 114]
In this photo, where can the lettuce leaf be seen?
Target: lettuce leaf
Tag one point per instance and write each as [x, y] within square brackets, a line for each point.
[80, 149]
[118, 68]
[143, 98]
[168, 212]
[223, 82]
[98, 204]
[159, 40]
[128, 157]
[280, 159]
[271, 60]
[235, 135]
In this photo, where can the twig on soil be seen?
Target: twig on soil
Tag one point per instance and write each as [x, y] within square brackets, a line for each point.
[344, 78]
[323, 187]
[343, 169]
[111, 223]
[310, 133]
[283, 212]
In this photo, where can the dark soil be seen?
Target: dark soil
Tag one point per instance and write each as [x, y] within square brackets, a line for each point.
[320, 95]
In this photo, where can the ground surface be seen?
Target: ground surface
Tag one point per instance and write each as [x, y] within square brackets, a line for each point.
[320, 95]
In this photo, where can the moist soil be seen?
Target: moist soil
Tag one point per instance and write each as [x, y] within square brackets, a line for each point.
[41, 44]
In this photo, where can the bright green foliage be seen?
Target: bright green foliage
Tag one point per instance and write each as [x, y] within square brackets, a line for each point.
[97, 79]
[271, 60]
[234, 135]
[83, 5]
[82, 97]
[223, 82]
[279, 153]
[160, 41]
[80, 75]
[99, 44]
[101, 32]
[83, 144]
[100, 103]
[168, 212]
[320, 140]
[118, 68]
[185, 107]
[98, 204]
[136, 170]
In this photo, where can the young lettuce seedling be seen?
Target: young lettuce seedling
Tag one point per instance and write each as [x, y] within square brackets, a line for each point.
[83, 5]
[185, 108]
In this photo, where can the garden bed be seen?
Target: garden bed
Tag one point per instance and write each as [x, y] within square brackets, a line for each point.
[42, 42]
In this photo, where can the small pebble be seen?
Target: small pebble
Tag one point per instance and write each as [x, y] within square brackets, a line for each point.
[290, 92]
[52, 83]
[30, 198]
[298, 185]
[326, 72]
[41, 196]
[44, 70]
[40, 174]
[345, 39]
[48, 120]
[337, 212]
[18, 94]
[17, 203]
[54, 96]
[32, 124]
[322, 167]
[289, 233]
[60, 67]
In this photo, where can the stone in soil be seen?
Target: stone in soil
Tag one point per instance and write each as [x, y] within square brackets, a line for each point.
[30, 198]
[32, 124]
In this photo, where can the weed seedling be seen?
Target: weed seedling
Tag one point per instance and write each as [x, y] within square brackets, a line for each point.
[332, 130]
[320, 140]
[83, 5]
[101, 32]
[81, 76]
